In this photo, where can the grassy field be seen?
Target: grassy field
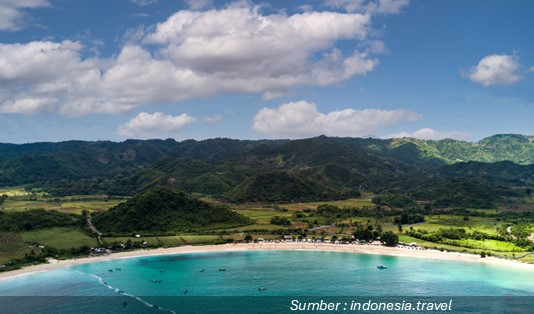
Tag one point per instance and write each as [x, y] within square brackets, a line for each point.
[16, 245]
[60, 238]
[68, 205]
[14, 191]
[11, 246]
[434, 223]
[255, 226]
[493, 245]
[263, 216]
[364, 200]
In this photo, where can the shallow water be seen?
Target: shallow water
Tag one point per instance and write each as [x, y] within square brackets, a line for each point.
[266, 273]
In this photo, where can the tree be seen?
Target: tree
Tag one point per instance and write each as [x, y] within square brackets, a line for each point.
[283, 221]
[364, 234]
[248, 238]
[389, 238]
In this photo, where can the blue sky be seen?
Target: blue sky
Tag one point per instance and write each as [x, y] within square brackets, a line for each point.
[112, 70]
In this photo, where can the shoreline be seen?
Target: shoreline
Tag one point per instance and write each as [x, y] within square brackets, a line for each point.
[347, 248]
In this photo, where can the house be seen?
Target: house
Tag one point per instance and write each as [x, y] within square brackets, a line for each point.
[288, 238]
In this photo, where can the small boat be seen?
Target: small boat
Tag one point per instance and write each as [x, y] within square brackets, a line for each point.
[118, 269]
[262, 289]
[222, 269]
[202, 270]
[110, 270]
[161, 271]
[381, 267]
[186, 291]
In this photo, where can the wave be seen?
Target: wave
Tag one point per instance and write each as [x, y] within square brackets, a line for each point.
[121, 292]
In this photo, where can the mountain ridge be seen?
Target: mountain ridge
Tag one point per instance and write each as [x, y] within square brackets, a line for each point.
[324, 167]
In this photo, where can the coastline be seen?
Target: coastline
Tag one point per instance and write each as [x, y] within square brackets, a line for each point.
[359, 249]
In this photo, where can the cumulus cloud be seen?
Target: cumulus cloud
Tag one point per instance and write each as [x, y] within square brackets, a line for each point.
[143, 2]
[235, 49]
[51, 77]
[302, 119]
[369, 6]
[431, 134]
[12, 12]
[214, 118]
[495, 70]
[146, 125]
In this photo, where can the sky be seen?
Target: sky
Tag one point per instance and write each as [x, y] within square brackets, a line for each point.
[198, 69]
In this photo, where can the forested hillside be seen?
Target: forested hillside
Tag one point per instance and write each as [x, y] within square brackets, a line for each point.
[447, 172]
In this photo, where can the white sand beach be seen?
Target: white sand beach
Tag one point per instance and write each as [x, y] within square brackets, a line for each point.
[349, 248]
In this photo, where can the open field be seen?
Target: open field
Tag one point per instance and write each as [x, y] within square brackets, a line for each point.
[11, 246]
[263, 216]
[69, 205]
[16, 245]
[493, 245]
[364, 200]
[482, 224]
[59, 238]
[256, 226]
[14, 191]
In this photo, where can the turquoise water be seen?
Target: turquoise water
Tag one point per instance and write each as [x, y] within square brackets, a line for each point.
[271, 273]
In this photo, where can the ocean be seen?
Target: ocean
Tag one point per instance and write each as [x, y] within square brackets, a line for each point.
[269, 282]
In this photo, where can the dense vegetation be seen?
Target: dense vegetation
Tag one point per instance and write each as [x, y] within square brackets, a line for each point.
[481, 173]
[281, 186]
[164, 211]
[36, 219]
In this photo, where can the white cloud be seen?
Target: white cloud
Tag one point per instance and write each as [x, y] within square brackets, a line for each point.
[146, 125]
[302, 119]
[199, 4]
[235, 49]
[369, 6]
[51, 77]
[214, 118]
[143, 2]
[12, 12]
[431, 134]
[531, 69]
[495, 70]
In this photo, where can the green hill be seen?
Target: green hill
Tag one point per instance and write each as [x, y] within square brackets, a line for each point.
[164, 211]
[281, 186]
[501, 147]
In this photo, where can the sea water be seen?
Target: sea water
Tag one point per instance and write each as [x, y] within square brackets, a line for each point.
[261, 281]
